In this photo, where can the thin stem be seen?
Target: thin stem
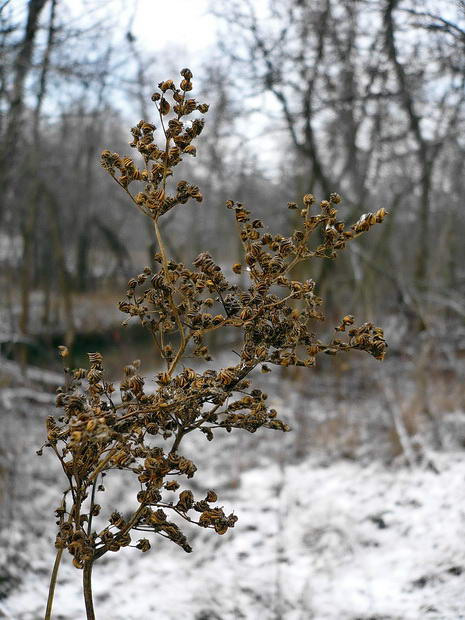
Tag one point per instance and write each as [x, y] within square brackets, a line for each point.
[157, 344]
[130, 195]
[182, 347]
[87, 587]
[62, 461]
[92, 502]
[184, 341]
[162, 248]
[102, 464]
[177, 441]
[53, 581]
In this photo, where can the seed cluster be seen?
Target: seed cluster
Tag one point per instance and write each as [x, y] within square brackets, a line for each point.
[178, 136]
[104, 427]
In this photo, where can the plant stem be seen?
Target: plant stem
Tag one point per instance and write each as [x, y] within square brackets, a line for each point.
[102, 464]
[182, 336]
[177, 441]
[53, 580]
[161, 247]
[92, 502]
[87, 587]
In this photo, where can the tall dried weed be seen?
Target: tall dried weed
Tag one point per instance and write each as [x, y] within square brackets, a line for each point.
[104, 427]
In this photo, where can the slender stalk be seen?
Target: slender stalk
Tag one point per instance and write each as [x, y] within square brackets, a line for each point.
[161, 246]
[102, 464]
[177, 441]
[53, 580]
[92, 502]
[87, 587]
[182, 336]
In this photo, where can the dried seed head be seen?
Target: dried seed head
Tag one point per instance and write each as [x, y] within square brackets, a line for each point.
[211, 497]
[143, 544]
[64, 351]
[167, 85]
[95, 359]
[164, 107]
[96, 433]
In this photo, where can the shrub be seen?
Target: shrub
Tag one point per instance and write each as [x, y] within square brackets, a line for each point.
[104, 427]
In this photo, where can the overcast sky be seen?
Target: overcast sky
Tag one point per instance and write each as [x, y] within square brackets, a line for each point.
[158, 23]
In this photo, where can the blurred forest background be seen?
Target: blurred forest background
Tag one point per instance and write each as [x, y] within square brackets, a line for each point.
[363, 97]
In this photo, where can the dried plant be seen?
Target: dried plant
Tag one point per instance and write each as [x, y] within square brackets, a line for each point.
[126, 427]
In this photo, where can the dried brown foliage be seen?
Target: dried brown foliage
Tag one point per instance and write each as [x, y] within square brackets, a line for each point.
[104, 427]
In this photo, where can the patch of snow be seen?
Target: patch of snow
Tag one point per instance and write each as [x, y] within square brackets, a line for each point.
[343, 542]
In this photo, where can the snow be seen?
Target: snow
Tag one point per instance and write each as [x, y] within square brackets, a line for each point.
[343, 542]
[321, 538]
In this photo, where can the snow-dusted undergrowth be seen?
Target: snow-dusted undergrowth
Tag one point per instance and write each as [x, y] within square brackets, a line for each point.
[343, 542]
[322, 539]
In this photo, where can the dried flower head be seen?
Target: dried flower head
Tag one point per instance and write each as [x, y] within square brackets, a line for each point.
[103, 427]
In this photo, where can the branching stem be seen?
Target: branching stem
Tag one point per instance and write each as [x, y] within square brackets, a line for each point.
[53, 581]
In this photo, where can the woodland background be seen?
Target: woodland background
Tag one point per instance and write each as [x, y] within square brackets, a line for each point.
[362, 97]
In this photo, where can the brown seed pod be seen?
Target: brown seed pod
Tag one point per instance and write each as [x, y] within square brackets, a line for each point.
[172, 485]
[221, 527]
[242, 215]
[143, 545]
[164, 106]
[227, 375]
[186, 501]
[95, 358]
[166, 85]
[185, 85]
[211, 497]
[64, 351]
[246, 313]
[163, 378]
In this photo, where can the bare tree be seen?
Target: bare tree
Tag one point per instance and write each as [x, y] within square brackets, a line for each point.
[371, 97]
[21, 68]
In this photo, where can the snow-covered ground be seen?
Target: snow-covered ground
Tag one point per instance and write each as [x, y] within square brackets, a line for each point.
[343, 542]
[321, 538]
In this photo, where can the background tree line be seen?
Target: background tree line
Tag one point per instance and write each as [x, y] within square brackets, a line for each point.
[362, 97]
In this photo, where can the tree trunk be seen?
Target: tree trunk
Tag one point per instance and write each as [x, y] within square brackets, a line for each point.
[22, 65]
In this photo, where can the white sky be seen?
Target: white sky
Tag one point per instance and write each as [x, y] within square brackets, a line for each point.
[186, 23]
